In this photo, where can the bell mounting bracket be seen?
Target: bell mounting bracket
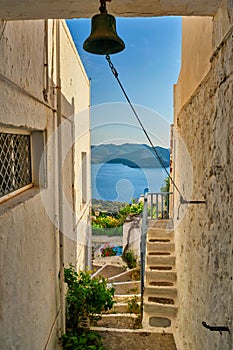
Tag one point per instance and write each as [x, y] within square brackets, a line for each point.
[102, 7]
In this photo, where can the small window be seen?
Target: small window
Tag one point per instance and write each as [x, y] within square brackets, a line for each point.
[84, 177]
[15, 162]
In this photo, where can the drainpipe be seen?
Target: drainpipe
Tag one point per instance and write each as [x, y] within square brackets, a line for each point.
[46, 60]
[60, 179]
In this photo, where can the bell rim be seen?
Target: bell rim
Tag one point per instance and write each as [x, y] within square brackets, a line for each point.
[104, 52]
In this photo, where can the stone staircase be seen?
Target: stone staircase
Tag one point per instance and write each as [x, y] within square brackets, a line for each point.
[127, 286]
[160, 293]
[121, 329]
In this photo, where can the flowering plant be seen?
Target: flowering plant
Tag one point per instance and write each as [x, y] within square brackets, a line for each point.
[108, 251]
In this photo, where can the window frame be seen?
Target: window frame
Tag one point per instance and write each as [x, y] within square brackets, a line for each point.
[18, 131]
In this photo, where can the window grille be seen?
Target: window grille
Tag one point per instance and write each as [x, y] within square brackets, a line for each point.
[15, 162]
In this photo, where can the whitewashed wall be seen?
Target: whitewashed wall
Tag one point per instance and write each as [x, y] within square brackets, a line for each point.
[30, 249]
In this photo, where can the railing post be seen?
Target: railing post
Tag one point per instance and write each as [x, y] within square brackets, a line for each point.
[151, 205]
[162, 205]
[143, 245]
[157, 206]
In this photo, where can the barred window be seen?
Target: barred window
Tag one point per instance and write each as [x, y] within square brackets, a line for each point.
[15, 162]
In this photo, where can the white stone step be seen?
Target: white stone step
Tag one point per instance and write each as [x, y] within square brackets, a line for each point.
[156, 291]
[159, 233]
[166, 276]
[162, 260]
[127, 287]
[165, 224]
[119, 321]
[160, 247]
[159, 310]
[118, 308]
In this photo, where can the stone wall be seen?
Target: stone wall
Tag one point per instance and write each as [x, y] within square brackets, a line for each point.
[204, 232]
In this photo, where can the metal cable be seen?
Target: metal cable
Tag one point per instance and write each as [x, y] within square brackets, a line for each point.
[115, 73]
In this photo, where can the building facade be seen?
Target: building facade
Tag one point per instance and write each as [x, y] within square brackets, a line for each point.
[45, 179]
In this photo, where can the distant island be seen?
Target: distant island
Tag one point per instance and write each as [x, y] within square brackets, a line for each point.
[130, 154]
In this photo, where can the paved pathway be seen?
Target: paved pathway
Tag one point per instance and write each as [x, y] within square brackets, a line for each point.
[137, 341]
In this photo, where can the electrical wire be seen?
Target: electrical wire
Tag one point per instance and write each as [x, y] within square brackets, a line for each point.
[115, 73]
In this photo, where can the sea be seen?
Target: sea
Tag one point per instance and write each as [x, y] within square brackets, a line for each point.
[118, 182]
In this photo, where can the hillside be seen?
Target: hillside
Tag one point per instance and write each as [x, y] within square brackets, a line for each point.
[132, 155]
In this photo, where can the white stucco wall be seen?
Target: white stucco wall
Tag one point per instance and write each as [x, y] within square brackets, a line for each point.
[30, 315]
[198, 31]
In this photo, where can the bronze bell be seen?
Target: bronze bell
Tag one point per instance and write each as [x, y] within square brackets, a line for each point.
[103, 39]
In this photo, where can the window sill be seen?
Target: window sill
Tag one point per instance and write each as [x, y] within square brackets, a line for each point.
[18, 199]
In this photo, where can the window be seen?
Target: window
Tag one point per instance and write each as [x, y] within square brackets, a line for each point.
[15, 161]
[84, 177]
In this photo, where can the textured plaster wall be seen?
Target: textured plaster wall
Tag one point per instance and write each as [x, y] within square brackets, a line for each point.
[32, 9]
[30, 314]
[204, 238]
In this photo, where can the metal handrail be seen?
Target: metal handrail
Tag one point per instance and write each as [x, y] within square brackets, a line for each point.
[158, 205]
[143, 245]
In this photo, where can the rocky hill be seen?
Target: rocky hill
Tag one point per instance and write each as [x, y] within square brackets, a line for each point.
[132, 155]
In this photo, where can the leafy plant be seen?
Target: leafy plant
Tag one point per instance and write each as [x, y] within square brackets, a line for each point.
[77, 340]
[132, 209]
[135, 308]
[107, 221]
[86, 296]
[130, 258]
[113, 231]
[114, 221]
[166, 187]
[133, 305]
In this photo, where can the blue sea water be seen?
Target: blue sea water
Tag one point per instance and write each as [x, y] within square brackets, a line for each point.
[118, 182]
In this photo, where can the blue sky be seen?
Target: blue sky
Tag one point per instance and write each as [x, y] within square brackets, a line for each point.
[148, 68]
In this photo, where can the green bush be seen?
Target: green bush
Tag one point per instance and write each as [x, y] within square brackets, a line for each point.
[131, 209]
[130, 259]
[114, 231]
[86, 296]
[107, 221]
[110, 222]
[133, 305]
[77, 340]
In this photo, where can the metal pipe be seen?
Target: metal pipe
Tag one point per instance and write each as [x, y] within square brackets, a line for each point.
[46, 60]
[60, 178]
[143, 246]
